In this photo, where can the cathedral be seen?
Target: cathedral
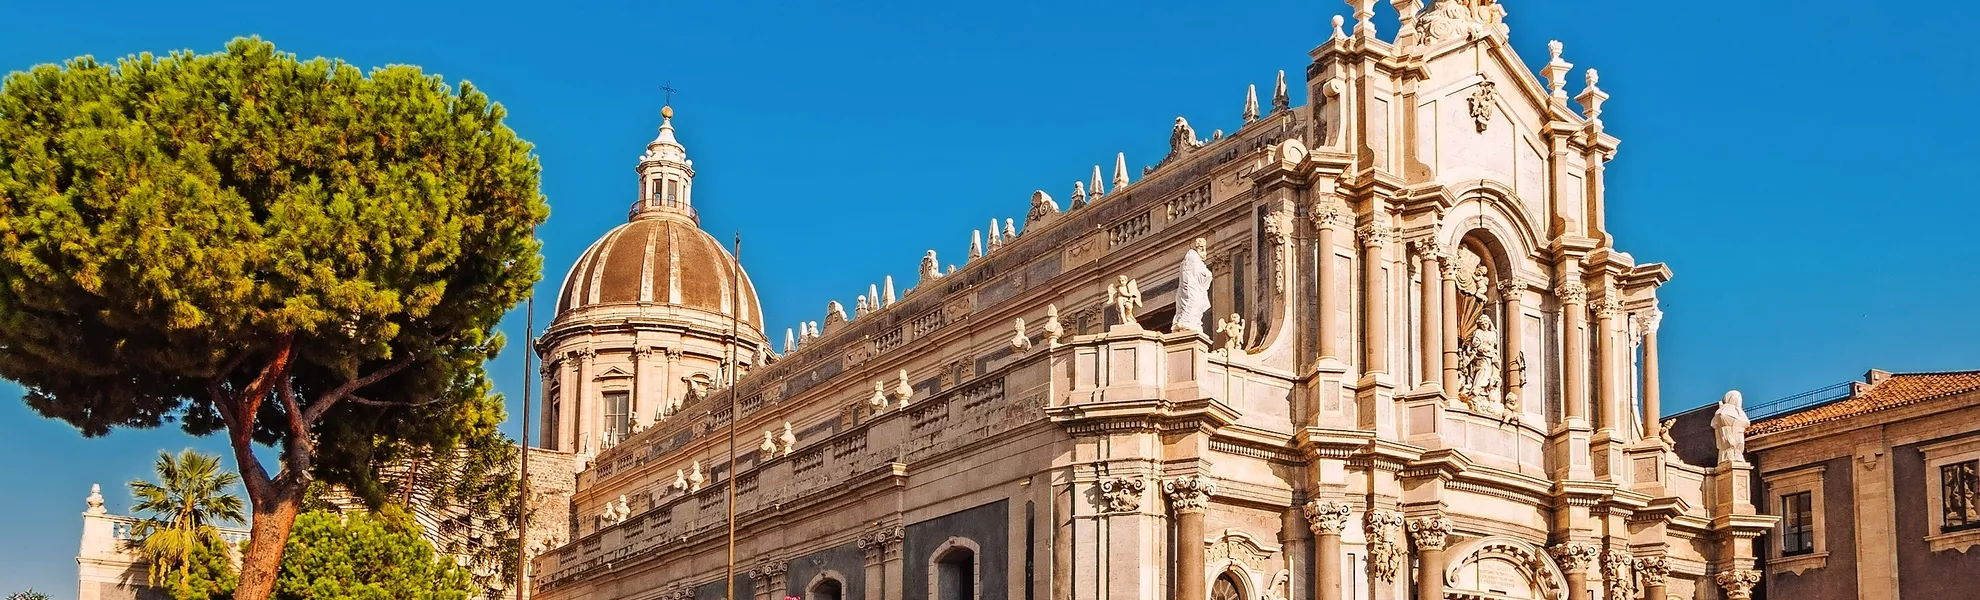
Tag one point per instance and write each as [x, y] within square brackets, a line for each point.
[1377, 347]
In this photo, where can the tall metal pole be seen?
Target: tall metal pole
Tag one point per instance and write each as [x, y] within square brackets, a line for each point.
[522, 498]
[735, 414]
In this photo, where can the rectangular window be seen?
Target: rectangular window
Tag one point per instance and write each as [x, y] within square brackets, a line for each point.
[673, 191]
[1797, 524]
[551, 421]
[1959, 495]
[656, 191]
[618, 417]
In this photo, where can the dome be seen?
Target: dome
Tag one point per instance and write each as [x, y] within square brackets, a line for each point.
[660, 261]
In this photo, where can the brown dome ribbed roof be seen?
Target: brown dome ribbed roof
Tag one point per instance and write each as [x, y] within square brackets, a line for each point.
[663, 262]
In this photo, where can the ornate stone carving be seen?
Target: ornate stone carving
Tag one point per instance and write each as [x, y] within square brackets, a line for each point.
[1331, 212]
[1729, 425]
[1239, 547]
[1232, 328]
[695, 478]
[1079, 195]
[1123, 495]
[1738, 583]
[1654, 569]
[1619, 573]
[1572, 293]
[1190, 494]
[1020, 343]
[1327, 518]
[1574, 557]
[1125, 296]
[1664, 435]
[1482, 103]
[1053, 328]
[1385, 549]
[788, 441]
[931, 268]
[903, 390]
[1182, 139]
[1042, 208]
[1193, 288]
[1608, 307]
[771, 570]
[1450, 19]
[882, 542]
[769, 446]
[1279, 231]
[879, 398]
[680, 480]
[1429, 532]
[1478, 353]
[835, 315]
[95, 499]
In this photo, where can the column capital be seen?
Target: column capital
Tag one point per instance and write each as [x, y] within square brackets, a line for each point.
[769, 573]
[1385, 551]
[1654, 569]
[1574, 557]
[1331, 212]
[1375, 235]
[1609, 306]
[1738, 583]
[586, 354]
[1619, 572]
[1429, 250]
[1572, 293]
[1123, 495]
[1190, 494]
[1327, 518]
[881, 543]
[1510, 289]
[1429, 532]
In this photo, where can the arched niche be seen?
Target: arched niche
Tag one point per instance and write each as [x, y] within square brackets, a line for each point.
[1493, 209]
[955, 570]
[1503, 568]
[826, 585]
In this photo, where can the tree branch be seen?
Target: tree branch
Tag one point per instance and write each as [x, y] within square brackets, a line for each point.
[330, 399]
[368, 402]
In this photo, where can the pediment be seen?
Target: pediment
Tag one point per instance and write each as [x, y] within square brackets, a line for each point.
[613, 373]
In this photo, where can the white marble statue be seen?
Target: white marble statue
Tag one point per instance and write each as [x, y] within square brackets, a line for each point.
[1125, 296]
[1481, 364]
[902, 389]
[1729, 425]
[931, 268]
[95, 499]
[788, 441]
[680, 480]
[769, 446]
[879, 399]
[1053, 329]
[1232, 328]
[860, 308]
[1193, 288]
[1020, 342]
[695, 478]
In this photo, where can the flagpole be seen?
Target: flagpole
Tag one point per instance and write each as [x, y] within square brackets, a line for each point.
[522, 498]
[735, 414]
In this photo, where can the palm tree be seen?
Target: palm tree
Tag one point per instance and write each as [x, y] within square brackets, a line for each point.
[190, 497]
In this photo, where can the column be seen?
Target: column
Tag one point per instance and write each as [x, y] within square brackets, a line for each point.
[1574, 382]
[546, 435]
[1654, 570]
[586, 421]
[1738, 583]
[567, 412]
[1327, 519]
[1609, 387]
[634, 404]
[1431, 343]
[1331, 218]
[1428, 533]
[1514, 356]
[1448, 316]
[1375, 296]
[1574, 560]
[1652, 394]
[1189, 496]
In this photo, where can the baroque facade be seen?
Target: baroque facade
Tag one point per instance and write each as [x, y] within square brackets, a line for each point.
[1379, 346]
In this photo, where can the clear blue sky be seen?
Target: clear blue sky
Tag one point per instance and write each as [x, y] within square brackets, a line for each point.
[1801, 167]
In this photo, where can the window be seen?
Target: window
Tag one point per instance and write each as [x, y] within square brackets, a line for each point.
[827, 589]
[551, 422]
[1226, 588]
[1797, 524]
[655, 196]
[953, 571]
[618, 417]
[1959, 493]
[673, 191]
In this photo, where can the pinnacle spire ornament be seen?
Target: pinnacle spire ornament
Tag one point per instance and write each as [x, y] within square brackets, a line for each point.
[1280, 99]
[1251, 104]
[1120, 171]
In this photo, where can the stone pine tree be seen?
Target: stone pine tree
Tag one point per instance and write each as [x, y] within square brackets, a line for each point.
[294, 253]
[366, 556]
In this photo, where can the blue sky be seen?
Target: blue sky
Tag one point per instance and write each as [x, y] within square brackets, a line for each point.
[1799, 167]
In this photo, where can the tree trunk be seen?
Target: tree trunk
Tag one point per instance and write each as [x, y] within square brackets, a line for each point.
[274, 513]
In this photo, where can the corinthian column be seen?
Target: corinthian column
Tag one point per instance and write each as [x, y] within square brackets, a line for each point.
[1610, 386]
[1654, 570]
[1575, 560]
[1327, 519]
[1574, 301]
[587, 417]
[1738, 583]
[1429, 533]
[1430, 346]
[1375, 296]
[1190, 496]
[1652, 391]
[1514, 357]
[1329, 218]
[1449, 317]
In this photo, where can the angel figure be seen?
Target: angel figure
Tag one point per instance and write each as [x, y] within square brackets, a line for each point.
[1020, 342]
[1125, 295]
[1232, 328]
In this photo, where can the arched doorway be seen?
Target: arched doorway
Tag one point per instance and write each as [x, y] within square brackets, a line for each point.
[826, 589]
[955, 571]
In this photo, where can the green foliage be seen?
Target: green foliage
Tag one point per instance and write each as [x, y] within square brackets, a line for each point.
[27, 595]
[296, 251]
[365, 556]
[177, 535]
[210, 573]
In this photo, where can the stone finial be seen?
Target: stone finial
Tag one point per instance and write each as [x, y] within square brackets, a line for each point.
[835, 313]
[1042, 208]
[769, 446]
[790, 341]
[1591, 99]
[1120, 171]
[1251, 104]
[861, 307]
[879, 398]
[872, 297]
[1556, 71]
[1010, 229]
[1339, 21]
[1281, 100]
[1099, 190]
[902, 389]
[1078, 195]
[976, 244]
[996, 239]
[95, 499]
[1364, 17]
[1053, 329]
[887, 294]
[788, 441]
[1020, 343]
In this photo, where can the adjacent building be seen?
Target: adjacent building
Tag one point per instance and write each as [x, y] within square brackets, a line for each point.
[1379, 346]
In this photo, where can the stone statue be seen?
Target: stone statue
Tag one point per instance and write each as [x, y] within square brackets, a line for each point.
[931, 269]
[1664, 436]
[860, 308]
[95, 499]
[879, 399]
[1232, 328]
[1729, 423]
[903, 389]
[1125, 295]
[695, 478]
[835, 314]
[1193, 289]
[1042, 208]
[769, 446]
[1480, 356]
[1182, 138]
[788, 441]
[1053, 330]
[680, 480]
[1020, 343]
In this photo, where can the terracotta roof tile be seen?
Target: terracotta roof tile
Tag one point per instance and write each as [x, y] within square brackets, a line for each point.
[1900, 389]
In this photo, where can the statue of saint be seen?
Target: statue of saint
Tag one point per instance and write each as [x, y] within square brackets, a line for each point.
[1193, 289]
[931, 269]
[1125, 295]
[1729, 423]
[1020, 343]
[1481, 362]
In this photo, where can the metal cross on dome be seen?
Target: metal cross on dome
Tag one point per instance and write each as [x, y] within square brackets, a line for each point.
[668, 87]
